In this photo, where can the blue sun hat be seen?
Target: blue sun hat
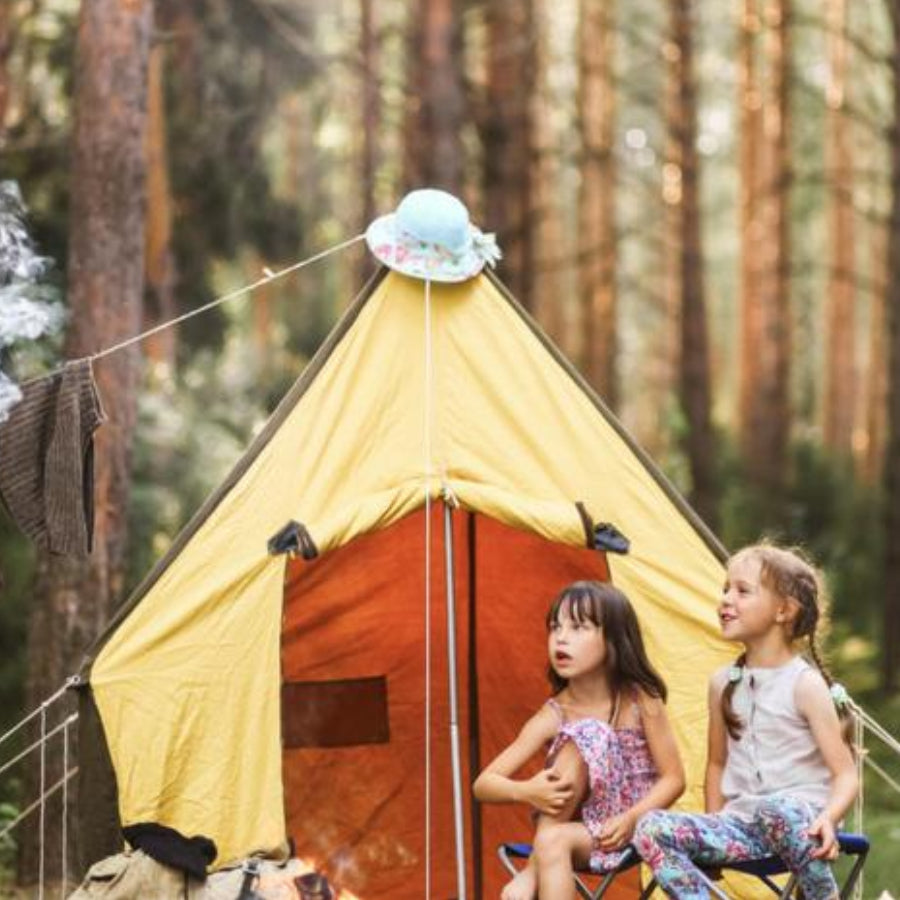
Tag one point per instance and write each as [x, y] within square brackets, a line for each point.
[429, 236]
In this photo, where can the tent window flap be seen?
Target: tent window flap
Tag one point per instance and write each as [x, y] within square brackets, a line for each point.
[343, 713]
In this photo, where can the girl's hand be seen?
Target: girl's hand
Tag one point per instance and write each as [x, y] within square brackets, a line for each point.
[548, 791]
[617, 831]
[823, 830]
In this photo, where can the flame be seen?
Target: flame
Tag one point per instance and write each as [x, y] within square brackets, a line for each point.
[301, 867]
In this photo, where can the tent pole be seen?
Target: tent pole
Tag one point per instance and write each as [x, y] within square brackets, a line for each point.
[454, 711]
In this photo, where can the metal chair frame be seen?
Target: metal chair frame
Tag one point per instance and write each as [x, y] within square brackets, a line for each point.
[510, 852]
[855, 845]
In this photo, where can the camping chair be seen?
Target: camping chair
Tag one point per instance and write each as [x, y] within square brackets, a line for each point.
[510, 852]
[853, 845]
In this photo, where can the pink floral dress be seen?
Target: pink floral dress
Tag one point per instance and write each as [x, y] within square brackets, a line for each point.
[620, 773]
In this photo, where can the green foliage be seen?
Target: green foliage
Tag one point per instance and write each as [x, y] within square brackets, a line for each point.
[8, 846]
[17, 555]
[188, 438]
[227, 68]
[826, 509]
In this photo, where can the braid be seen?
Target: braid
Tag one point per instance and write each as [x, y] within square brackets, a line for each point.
[816, 655]
[844, 713]
[733, 722]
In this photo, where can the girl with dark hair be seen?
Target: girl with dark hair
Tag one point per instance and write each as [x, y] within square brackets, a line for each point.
[612, 755]
[780, 774]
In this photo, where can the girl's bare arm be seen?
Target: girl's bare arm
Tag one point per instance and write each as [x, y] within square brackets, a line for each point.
[669, 784]
[546, 790]
[717, 745]
[814, 702]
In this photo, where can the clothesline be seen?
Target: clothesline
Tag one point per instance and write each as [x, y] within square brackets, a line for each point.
[267, 278]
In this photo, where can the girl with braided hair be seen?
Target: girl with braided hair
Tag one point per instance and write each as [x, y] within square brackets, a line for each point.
[780, 774]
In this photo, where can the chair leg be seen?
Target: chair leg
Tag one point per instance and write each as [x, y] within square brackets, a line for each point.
[789, 888]
[602, 887]
[853, 877]
[506, 861]
[714, 889]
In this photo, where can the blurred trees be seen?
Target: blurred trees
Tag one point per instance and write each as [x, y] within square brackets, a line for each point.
[891, 612]
[695, 204]
[73, 598]
[435, 97]
[765, 407]
[597, 237]
[507, 137]
[681, 191]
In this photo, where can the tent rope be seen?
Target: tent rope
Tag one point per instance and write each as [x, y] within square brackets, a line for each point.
[884, 775]
[427, 447]
[36, 712]
[268, 277]
[64, 837]
[40, 800]
[34, 745]
[43, 802]
[878, 730]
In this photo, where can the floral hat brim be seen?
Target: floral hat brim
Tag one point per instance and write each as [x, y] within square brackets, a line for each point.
[427, 260]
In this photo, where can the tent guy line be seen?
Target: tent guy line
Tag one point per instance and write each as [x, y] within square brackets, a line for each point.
[268, 277]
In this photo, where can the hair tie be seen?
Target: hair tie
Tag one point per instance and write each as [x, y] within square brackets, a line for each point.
[839, 695]
[735, 674]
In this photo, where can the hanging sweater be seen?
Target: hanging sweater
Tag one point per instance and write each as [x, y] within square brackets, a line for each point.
[47, 459]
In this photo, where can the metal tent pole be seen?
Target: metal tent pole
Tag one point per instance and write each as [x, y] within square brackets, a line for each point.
[454, 716]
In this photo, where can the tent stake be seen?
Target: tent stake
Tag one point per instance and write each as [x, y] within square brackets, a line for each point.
[454, 718]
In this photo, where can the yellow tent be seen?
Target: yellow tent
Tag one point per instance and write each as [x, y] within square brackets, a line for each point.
[249, 695]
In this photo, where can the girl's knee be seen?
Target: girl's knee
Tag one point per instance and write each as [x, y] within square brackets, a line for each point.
[650, 827]
[550, 843]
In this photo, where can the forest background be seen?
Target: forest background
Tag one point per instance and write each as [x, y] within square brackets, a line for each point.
[698, 200]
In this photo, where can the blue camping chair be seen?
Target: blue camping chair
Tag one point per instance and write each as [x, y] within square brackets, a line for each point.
[509, 853]
[852, 845]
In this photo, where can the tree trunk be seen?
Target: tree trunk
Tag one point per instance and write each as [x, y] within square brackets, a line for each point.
[840, 357]
[891, 620]
[5, 50]
[435, 98]
[507, 139]
[683, 193]
[597, 198]
[876, 374]
[549, 239]
[765, 375]
[74, 597]
[158, 256]
[749, 104]
[370, 114]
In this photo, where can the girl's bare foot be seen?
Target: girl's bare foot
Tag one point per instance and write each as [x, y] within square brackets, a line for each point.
[523, 886]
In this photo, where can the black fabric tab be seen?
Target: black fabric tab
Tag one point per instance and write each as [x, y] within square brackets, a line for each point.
[295, 539]
[608, 537]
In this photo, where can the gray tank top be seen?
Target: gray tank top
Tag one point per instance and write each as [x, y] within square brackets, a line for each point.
[776, 753]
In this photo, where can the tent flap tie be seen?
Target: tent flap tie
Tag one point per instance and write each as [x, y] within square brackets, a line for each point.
[603, 535]
[293, 539]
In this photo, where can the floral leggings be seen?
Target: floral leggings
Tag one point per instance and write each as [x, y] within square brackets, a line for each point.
[670, 843]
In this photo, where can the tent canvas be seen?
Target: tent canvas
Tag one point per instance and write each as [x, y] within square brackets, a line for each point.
[249, 696]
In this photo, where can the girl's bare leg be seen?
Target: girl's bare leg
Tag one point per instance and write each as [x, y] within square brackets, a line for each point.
[558, 848]
[570, 765]
[523, 886]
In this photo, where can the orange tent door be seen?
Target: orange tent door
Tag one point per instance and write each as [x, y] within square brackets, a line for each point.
[353, 698]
